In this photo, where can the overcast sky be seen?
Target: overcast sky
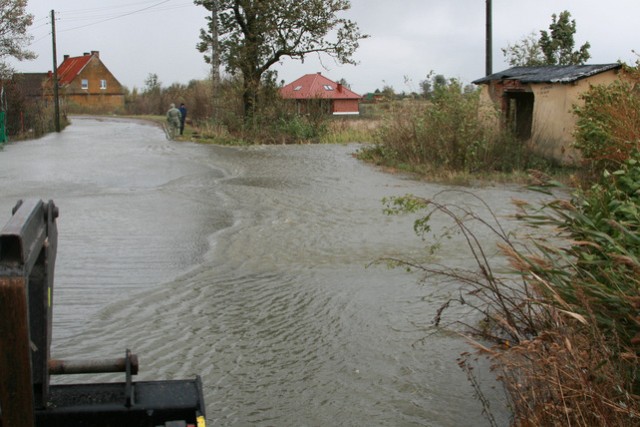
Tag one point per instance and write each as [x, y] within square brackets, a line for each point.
[408, 38]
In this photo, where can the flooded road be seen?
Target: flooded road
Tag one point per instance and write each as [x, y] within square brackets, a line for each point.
[249, 267]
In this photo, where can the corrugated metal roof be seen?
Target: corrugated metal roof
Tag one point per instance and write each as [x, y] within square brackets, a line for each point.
[549, 73]
[312, 86]
[71, 67]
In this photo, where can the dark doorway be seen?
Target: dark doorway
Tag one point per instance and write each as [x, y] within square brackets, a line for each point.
[519, 113]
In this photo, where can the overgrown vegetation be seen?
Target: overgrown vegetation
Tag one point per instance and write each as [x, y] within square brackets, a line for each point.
[562, 324]
[24, 118]
[608, 127]
[452, 132]
[276, 121]
[27, 116]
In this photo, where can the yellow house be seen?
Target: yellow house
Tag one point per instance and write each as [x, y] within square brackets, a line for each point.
[87, 85]
[537, 103]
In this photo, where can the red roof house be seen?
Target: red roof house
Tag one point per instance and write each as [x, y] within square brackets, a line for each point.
[312, 87]
[87, 84]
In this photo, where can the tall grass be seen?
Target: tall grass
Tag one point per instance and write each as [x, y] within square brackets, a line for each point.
[450, 132]
[562, 325]
[582, 369]
[350, 130]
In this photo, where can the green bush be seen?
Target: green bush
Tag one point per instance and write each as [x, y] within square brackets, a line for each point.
[299, 128]
[603, 226]
[564, 321]
[449, 132]
[608, 125]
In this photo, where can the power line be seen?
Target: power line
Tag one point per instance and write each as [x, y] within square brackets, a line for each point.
[108, 16]
[110, 7]
[110, 11]
[119, 16]
[122, 15]
[93, 14]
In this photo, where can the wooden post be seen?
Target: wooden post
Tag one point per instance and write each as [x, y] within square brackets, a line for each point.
[16, 391]
[28, 243]
[56, 99]
[489, 40]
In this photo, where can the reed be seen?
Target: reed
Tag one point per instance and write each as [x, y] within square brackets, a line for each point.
[561, 325]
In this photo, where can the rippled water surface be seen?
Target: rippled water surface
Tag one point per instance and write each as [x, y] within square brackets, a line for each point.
[249, 267]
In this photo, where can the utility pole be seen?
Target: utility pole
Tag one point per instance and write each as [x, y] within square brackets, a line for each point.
[215, 61]
[215, 46]
[56, 100]
[489, 45]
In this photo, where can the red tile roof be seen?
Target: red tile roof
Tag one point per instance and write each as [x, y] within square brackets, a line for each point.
[71, 67]
[311, 86]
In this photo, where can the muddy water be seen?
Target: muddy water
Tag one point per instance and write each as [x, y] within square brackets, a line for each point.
[249, 267]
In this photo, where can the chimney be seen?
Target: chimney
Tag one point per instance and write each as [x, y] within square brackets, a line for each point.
[95, 53]
[65, 57]
[86, 54]
[340, 87]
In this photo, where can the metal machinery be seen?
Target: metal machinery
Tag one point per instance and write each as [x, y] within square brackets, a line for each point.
[28, 244]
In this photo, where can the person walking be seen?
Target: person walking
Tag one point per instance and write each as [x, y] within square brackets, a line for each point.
[174, 120]
[183, 117]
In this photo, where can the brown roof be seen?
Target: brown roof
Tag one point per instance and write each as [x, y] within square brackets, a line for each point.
[312, 86]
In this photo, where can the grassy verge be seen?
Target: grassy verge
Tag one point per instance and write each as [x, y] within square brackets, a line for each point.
[353, 129]
[336, 131]
[538, 171]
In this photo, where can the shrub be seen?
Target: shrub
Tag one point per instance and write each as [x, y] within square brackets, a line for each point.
[602, 263]
[27, 117]
[449, 132]
[298, 128]
[563, 326]
[608, 124]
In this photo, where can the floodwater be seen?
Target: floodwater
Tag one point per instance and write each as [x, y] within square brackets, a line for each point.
[249, 267]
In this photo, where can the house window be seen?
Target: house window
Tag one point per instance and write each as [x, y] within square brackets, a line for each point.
[85, 84]
[103, 84]
[328, 87]
[297, 88]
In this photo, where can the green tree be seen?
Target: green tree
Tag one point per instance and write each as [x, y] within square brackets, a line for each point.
[433, 83]
[256, 34]
[388, 92]
[558, 44]
[14, 39]
[554, 47]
